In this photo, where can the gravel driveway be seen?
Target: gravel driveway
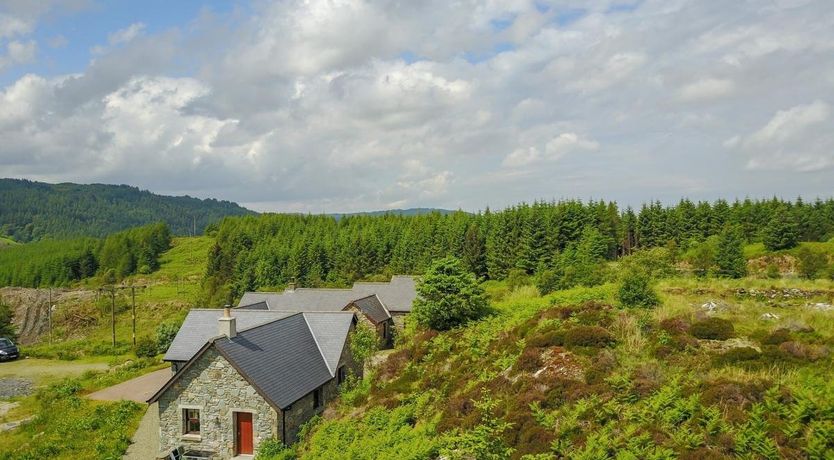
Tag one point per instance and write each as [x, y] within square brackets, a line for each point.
[138, 389]
[14, 386]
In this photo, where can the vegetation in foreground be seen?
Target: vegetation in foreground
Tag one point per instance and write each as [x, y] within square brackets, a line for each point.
[718, 369]
[66, 425]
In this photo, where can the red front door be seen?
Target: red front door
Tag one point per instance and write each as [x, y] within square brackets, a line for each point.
[244, 433]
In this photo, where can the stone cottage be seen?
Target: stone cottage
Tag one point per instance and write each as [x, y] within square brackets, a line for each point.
[381, 305]
[244, 385]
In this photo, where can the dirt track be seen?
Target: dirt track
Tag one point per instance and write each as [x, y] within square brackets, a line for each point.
[31, 309]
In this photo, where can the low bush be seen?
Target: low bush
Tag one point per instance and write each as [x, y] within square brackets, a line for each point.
[588, 336]
[737, 355]
[165, 334]
[777, 337]
[146, 347]
[550, 338]
[271, 449]
[529, 361]
[636, 291]
[713, 329]
[675, 325]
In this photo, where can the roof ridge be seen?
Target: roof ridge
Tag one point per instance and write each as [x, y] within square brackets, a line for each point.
[368, 297]
[318, 346]
[268, 322]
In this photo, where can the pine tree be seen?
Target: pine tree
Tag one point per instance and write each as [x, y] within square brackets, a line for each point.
[781, 232]
[448, 296]
[729, 256]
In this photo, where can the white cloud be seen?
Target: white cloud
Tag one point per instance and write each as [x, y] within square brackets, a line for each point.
[121, 37]
[349, 104]
[18, 52]
[706, 88]
[800, 138]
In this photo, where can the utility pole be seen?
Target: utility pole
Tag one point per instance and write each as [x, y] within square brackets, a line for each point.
[133, 300]
[49, 315]
[113, 314]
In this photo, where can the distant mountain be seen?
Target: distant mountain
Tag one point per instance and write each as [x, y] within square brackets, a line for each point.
[399, 212]
[36, 210]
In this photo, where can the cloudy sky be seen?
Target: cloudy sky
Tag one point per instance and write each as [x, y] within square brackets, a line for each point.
[346, 105]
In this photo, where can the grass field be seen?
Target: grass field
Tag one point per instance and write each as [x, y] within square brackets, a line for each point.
[165, 295]
[6, 242]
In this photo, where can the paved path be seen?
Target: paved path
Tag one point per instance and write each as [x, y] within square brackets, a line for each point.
[138, 389]
[145, 442]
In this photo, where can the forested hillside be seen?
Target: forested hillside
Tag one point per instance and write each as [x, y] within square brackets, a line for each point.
[61, 262]
[34, 210]
[567, 241]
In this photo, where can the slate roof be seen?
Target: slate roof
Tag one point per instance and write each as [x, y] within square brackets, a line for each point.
[283, 359]
[373, 308]
[201, 325]
[286, 358]
[397, 296]
[256, 306]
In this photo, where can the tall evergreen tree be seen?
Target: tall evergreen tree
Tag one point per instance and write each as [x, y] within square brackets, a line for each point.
[729, 256]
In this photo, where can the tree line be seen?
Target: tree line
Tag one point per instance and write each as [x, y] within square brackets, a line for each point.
[31, 211]
[60, 262]
[257, 252]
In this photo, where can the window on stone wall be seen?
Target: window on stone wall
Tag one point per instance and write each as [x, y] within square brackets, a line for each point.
[191, 421]
[341, 375]
[317, 398]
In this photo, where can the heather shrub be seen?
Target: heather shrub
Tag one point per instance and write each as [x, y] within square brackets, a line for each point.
[713, 329]
[588, 336]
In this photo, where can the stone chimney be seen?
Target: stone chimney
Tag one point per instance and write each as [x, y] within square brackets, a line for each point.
[227, 324]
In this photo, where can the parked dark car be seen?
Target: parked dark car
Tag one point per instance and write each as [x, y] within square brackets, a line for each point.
[8, 350]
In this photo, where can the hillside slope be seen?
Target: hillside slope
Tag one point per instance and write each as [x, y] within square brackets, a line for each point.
[35, 210]
[723, 369]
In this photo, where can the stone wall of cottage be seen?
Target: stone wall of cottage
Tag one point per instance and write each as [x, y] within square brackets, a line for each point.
[384, 342]
[399, 319]
[303, 410]
[214, 387]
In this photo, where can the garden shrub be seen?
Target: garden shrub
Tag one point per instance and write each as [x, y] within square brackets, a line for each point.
[165, 334]
[146, 347]
[588, 336]
[713, 329]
